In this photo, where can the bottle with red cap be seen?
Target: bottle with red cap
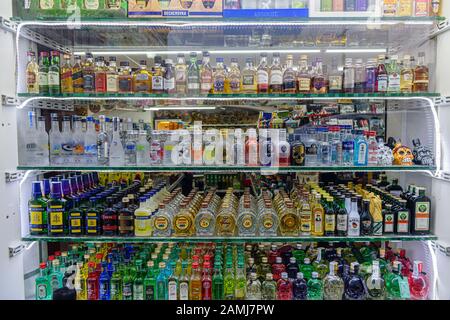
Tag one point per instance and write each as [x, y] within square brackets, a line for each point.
[92, 282]
[195, 284]
[43, 287]
[419, 284]
[206, 280]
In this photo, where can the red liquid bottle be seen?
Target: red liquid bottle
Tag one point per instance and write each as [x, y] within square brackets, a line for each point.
[284, 287]
[406, 263]
[419, 285]
[273, 254]
[206, 282]
[92, 282]
[277, 269]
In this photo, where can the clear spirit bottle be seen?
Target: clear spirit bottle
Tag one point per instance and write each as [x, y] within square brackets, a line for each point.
[103, 143]
[157, 77]
[78, 142]
[333, 284]
[116, 152]
[262, 75]
[130, 149]
[206, 75]
[360, 76]
[90, 142]
[254, 291]
[349, 76]
[193, 76]
[246, 220]
[55, 139]
[375, 283]
[181, 75]
[276, 75]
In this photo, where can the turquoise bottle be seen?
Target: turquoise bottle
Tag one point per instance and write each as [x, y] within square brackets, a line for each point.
[43, 287]
[161, 283]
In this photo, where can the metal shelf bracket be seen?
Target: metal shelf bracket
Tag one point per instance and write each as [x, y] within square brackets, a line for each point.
[440, 28]
[13, 176]
[8, 101]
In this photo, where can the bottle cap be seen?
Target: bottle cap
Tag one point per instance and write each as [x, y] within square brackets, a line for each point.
[37, 189]
[284, 275]
[278, 260]
[42, 265]
[315, 275]
[55, 190]
[299, 275]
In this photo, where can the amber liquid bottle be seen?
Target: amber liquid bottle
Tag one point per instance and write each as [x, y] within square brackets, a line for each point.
[421, 75]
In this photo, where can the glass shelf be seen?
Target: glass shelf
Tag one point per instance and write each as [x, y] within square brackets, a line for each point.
[232, 96]
[231, 239]
[225, 168]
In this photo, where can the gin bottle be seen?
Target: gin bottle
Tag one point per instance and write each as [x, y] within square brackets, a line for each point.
[361, 152]
[375, 283]
[78, 142]
[269, 288]
[55, 137]
[315, 287]
[116, 153]
[333, 284]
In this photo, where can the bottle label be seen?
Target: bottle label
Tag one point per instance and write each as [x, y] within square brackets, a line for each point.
[172, 290]
[403, 222]
[161, 223]
[335, 83]
[382, 83]
[157, 83]
[247, 221]
[389, 223]
[353, 226]
[41, 291]
[422, 217]
[78, 148]
[169, 84]
[394, 82]
[36, 218]
[330, 222]
[184, 291]
[276, 77]
[88, 82]
[267, 222]
[341, 224]
[91, 4]
[304, 84]
[235, 85]
[180, 76]
[318, 222]
[305, 220]
[311, 150]
[127, 291]
[46, 4]
[56, 215]
[182, 223]
[193, 83]
[362, 154]
[31, 78]
[150, 292]
[204, 223]
[206, 79]
[289, 84]
[219, 85]
[125, 85]
[138, 292]
[111, 83]
[249, 81]
[263, 79]
[43, 79]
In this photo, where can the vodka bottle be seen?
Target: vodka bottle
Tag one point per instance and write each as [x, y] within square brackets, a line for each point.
[78, 142]
[348, 147]
[142, 149]
[103, 143]
[90, 142]
[130, 149]
[239, 147]
[42, 143]
[311, 149]
[116, 153]
[373, 149]
[67, 142]
[349, 76]
[55, 141]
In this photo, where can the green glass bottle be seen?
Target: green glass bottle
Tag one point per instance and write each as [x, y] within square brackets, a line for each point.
[43, 73]
[116, 284]
[228, 281]
[320, 265]
[307, 269]
[55, 276]
[127, 284]
[393, 281]
[75, 218]
[138, 284]
[37, 209]
[54, 87]
[43, 287]
[315, 287]
[217, 282]
[149, 282]
[55, 209]
[240, 282]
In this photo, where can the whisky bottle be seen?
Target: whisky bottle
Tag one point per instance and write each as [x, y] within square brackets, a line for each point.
[262, 75]
[381, 75]
[276, 75]
[181, 75]
[234, 77]
[335, 78]
[89, 74]
[421, 75]
[143, 80]
[32, 73]
[318, 83]
[125, 78]
[66, 75]
[54, 84]
[77, 76]
[289, 79]
[406, 75]
[303, 76]
[100, 75]
[249, 78]
[393, 75]
[219, 77]
[156, 78]
[112, 82]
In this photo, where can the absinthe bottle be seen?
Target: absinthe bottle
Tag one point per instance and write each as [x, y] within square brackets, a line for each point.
[116, 154]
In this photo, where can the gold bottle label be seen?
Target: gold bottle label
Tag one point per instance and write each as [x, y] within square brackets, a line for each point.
[161, 223]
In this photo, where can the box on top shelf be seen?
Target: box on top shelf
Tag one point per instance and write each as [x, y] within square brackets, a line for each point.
[65, 9]
[174, 9]
[265, 8]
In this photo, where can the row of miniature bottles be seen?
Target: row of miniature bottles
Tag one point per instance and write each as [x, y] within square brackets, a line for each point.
[224, 271]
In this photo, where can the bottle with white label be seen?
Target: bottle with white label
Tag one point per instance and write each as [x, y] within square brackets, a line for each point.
[183, 283]
[239, 147]
[353, 220]
[265, 147]
[172, 283]
[393, 70]
[142, 149]
[209, 151]
[116, 153]
[169, 77]
[276, 75]
[251, 148]
[361, 152]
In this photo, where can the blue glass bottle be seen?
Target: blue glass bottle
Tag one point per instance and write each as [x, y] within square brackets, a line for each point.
[299, 287]
[104, 283]
[361, 152]
[354, 284]
[161, 283]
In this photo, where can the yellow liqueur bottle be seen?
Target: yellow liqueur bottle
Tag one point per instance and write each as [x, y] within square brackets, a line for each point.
[318, 217]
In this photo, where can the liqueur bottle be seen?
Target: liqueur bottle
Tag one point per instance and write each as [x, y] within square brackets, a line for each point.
[56, 211]
[421, 213]
[419, 284]
[32, 73]
[284, 287]
[355, 288]
[315, 287]
[66, 76]
[269, 288]
[44, 64]
[37, 210]
[375, 283]
[333, 284]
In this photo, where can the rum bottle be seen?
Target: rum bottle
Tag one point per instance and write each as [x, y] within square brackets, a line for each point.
[381, 82]
[32, 73]
[421, 75]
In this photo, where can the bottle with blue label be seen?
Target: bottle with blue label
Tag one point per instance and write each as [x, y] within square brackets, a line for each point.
[348, 146]
[361, 152]
[104, 283]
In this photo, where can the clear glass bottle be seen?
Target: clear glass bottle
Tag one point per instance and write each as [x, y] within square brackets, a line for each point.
[142, 149]
[276, 75]
[361, 152]
[42, 152]
[254, 291]
[103, 143]
[335, 77]
[375, 283]
[333, 284]
[262, 75]
[289, 76]
[90, 142]
[360, 76]
[55, 139]
[234, 77]
[269, 288]
[181, 75]
[372, 149]
[349, 76]
[130, 148]
[318, 80]
[249, 82]
[206, 75]
[116, 151]
[421, 75]
[78, 150]
[193, 76]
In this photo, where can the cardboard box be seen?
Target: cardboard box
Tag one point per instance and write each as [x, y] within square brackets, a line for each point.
[174, 8]
[64, 9]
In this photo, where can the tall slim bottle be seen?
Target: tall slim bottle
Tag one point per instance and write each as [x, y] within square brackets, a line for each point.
[276, 75]
[54, 83]
[32, 73]
[44, 64]
[116, 153]
[262, 75]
